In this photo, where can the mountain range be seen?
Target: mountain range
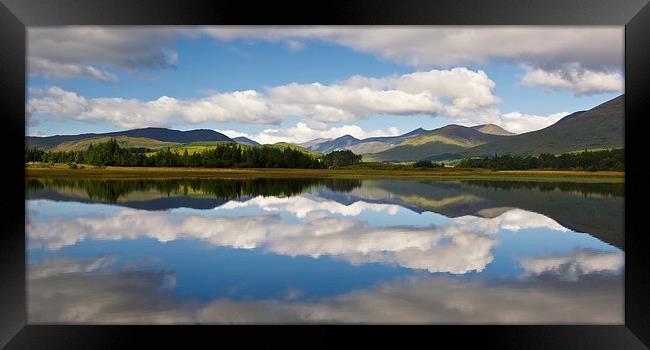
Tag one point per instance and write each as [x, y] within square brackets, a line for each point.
[158, 134]
[598, 128]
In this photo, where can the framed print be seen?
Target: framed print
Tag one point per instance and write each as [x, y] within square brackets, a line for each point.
[388, 172]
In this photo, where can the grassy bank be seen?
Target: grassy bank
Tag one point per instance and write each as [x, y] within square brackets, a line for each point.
[63, 171]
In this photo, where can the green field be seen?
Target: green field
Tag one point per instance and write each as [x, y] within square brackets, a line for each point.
[89, 171]
[194, 147]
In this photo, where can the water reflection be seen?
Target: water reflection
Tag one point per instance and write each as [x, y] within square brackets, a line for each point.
[323, 250]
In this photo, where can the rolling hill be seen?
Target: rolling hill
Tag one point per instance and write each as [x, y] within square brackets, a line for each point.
[492, 130]
[339, 143]
[283, 145]
[360, 146]
[314, 142]
[245, 141]
[598, 128]
[160, 134]
[451, 139]
[123, 141]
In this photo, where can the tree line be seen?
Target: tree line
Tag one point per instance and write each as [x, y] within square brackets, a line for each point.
[112, 190]
[221, 156]
[427, 164]
[612, 160]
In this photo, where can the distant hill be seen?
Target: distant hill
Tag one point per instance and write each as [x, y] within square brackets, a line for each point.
[598, 128]
[314, 142]
[492, 130]
[360, 146]
[379, 144]
[160, 134]
[397, 139]
[123, 141]
[451, 139]
[245, 141]
[283, 145]
[339, 143]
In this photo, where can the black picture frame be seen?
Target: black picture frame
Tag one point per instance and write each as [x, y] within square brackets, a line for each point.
[16, 15]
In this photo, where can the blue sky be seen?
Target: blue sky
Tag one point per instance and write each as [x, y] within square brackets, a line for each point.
[259, 82]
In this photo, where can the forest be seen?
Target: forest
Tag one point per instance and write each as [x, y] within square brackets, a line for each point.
[221, 156]
[607, 160]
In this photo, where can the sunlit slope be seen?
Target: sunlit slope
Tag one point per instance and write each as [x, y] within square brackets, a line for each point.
[160, 134]
[123, 141]
[450, 139]
[598, 128]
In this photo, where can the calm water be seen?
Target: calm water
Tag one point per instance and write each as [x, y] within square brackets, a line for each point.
[324, 251]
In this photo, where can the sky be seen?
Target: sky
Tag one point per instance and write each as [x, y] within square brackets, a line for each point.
[295, 84]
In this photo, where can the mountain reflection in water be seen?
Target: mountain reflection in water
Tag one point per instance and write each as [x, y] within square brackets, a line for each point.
[324, 251]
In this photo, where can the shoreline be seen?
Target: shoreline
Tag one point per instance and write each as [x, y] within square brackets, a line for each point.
[90, 172]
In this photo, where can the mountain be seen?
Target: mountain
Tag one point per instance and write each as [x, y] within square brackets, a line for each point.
[396, 139]
[123, 141]
[160, 134]
[451, 139]
[245, 141]
[598, 128]
[314, 142]
[570, 116]
[492, 130]
[363, 146]
[339, 143]
[379, 144]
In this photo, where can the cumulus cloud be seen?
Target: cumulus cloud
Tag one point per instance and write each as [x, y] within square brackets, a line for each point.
[353, 241]
[449, 45]
[54, 267]
[240, 106]
[458, 92]
[84, 51]
[135, 297]
[51, 69]
[302, 132]
[518, 122]
[575, 78]
[79, 51]
[308, 205]
[576, 264]
[464, 244]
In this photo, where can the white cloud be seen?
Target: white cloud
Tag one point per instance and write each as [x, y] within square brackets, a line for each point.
[310, 206]
[294, 45]
[136, 297]
[353, 241]
[463, 245]
[519, 123]
[574, 265]
[50, 69]
[457, 92]
[598, 49]
[576, 79]
[301, 132]
[452, 45]
[54, 267]
[79, 51]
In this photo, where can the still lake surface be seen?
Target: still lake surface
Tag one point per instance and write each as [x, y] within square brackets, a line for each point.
[324, 251]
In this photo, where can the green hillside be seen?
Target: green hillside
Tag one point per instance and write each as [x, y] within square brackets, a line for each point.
[411, 153]
[198, 147]
[123, 141]
[450, 139]
[492, 129]
[195, 147]
[370, 147]
[283, 145]
[598, 128]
